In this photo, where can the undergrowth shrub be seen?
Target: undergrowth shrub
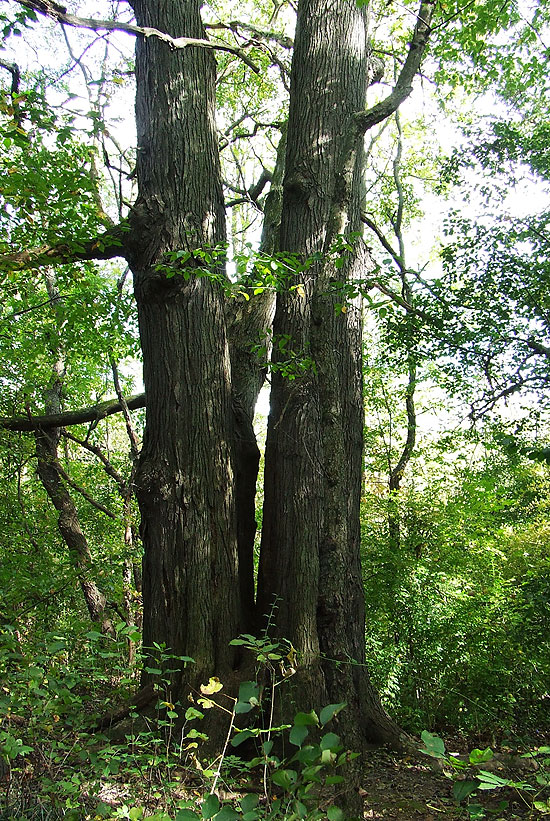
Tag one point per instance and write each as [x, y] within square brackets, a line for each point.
[459, 629]
[57, 765]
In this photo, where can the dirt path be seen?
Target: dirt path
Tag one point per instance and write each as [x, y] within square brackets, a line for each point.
[403, 789]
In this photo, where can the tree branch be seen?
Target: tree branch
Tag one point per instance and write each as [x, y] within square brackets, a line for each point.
[365, 120]
[96, 450]
[60, 15]
[106, 246]
[84, 493]
[384, 242]
[132, 436]
[260, 34]
[538, 347]
[13, 68]
[77, 417]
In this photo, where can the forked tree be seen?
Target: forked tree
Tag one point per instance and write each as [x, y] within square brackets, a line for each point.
[198, 465]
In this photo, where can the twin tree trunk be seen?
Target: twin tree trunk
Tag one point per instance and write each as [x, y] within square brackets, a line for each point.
[185, 477]
[310, 551]
[198, 466]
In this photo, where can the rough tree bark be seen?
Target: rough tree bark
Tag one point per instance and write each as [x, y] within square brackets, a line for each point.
[185, 475]
[310, 555]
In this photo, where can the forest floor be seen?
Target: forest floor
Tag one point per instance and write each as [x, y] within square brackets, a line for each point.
[408, 789]
[394, 788]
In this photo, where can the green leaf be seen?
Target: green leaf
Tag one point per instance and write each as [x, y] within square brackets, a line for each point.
[249, 802]
[330, 711]
[249, 690]
[298, 735]
[335, 814]
[462, 789]
[312, 773]
[227, 813]
[241, 737]
[243, 707]
[490, 781]
[330, 741]
[479, 756]
[192, 713]
[308, 754]
[210, 806]
[433, 745]
[306, 719]
[285, 778]
[186, 815]
[301, 809]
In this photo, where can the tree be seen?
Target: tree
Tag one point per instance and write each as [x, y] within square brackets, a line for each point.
[197, 567]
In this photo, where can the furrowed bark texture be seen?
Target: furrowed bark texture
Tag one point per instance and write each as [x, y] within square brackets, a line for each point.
[185, 475]
[311, 539]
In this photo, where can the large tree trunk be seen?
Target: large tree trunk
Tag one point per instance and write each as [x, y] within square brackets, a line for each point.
[185, 475]
[311, 541]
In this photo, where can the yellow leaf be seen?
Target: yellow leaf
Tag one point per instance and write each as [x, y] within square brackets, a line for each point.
[214, 686]
[300, 290]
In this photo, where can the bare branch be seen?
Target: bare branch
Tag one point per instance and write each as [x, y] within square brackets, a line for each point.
[13, 68]
[60, 15]
[253, 192]
[96, 450]
[260, 34]
[84, 493]
[384, 242]
[77, 417]
[132, 435]
[365, 120]
[491, 401]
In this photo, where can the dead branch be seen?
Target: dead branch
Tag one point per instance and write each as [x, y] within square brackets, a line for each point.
[60, 15]
[13, 68]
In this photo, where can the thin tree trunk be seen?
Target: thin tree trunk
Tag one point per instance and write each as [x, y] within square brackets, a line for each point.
[50, 474]
[250, 323]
